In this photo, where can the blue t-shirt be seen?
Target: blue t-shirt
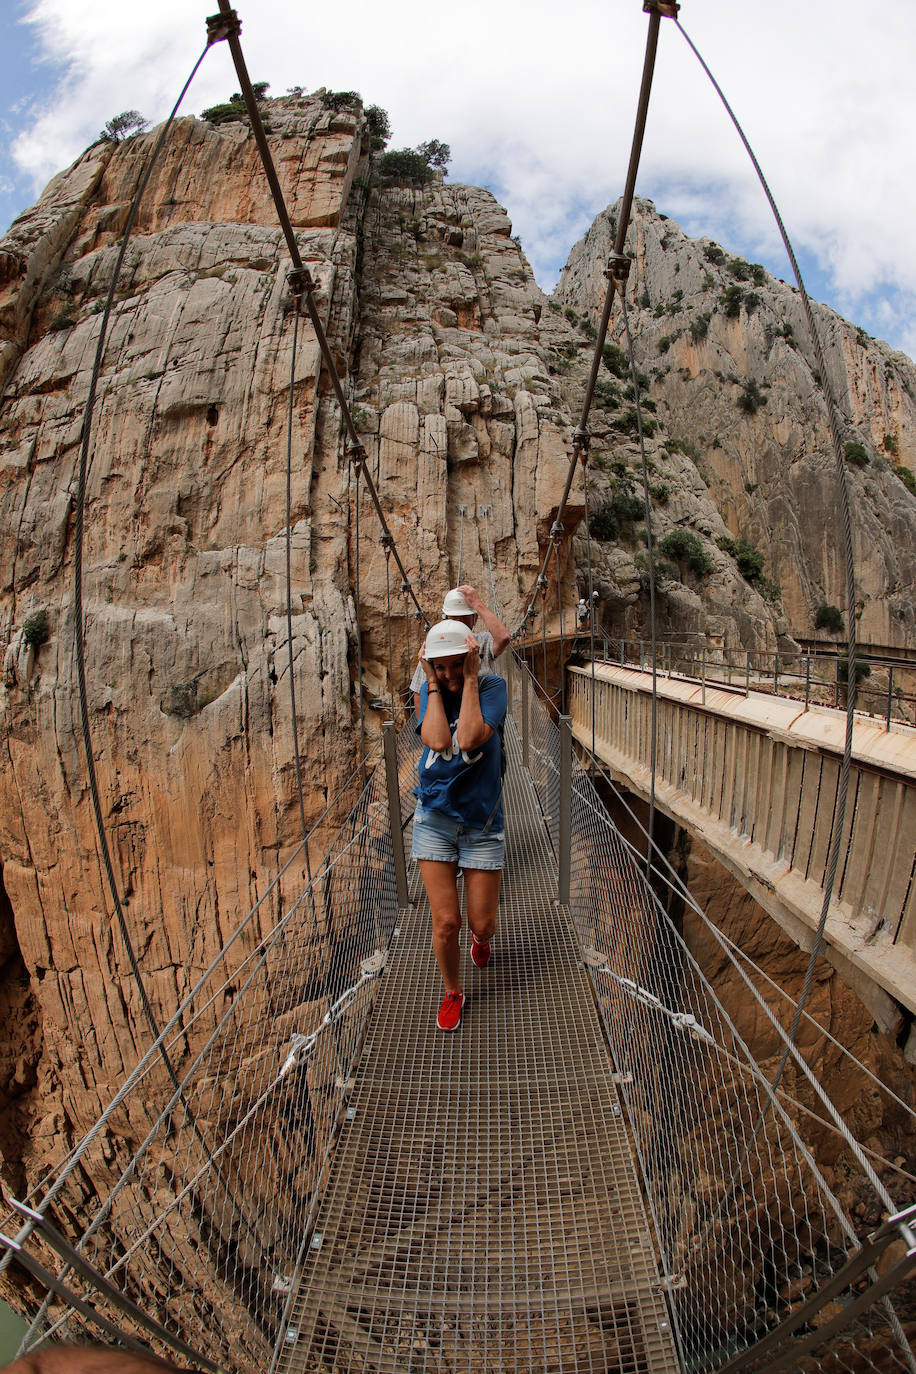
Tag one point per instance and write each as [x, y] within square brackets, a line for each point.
[464, 786]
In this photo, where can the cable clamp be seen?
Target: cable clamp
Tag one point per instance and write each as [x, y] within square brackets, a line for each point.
[357, 455]
[405, 587]
[556, 532]
[666, 8]
[618, 269]
[542, 582]
[220, 26]
[581, 443]
[300, 280]
[387, 541]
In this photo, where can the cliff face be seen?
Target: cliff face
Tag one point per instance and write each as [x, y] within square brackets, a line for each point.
[463, 380]
[731, 381]
[431, 311]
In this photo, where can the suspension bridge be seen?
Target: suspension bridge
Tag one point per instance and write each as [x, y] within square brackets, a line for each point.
[595, 1174]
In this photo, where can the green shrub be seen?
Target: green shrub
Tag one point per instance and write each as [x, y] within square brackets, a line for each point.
[856, 453]
[607, 393]
[863, 670]
[628, 423]
[751, 301]
[730, 301]
[748, 557]
[603, 524]
[890, 444]
[571, 315]
[759, 274]
[907, 477]
[829, 618]
[664, 343]
[406, 166]
[338, 100]
[739, 269]
[378, 126]
[625, 505]
[659, 492]
[751, 397]
[699, 327]
[686, 549]
[122, 126]
[713, 253]
[225, 113]
[35, 629]
[615, 360]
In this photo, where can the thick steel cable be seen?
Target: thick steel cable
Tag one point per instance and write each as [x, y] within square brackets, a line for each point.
[460, 542]
[79, 634]
[388, 629]
[669, 876]
[494, 600]
[650, 551]
[840, 812]
[289, 588]
[656, 9]
[359, 628]
[591, 604]
[301, 275]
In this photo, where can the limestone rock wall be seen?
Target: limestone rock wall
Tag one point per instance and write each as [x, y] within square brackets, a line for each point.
[432, 315]
[731, 378]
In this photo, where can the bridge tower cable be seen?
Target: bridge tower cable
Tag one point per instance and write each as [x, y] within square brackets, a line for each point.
[843, 489]
[656, 10]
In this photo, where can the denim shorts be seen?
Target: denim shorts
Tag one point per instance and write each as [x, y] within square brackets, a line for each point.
[445, 841]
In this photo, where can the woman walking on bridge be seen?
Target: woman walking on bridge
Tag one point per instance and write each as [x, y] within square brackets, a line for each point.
[458, 822]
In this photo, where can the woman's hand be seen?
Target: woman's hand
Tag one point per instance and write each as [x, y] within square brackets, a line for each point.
[471, 659]
[426, 666]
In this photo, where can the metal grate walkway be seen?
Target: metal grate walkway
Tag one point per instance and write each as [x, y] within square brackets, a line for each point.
[483, 1211]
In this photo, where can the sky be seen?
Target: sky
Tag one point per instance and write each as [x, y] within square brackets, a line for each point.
[537, 101]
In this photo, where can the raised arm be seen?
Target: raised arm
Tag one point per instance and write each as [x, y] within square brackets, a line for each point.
[472, 730]
[491, 620]
[434, 728]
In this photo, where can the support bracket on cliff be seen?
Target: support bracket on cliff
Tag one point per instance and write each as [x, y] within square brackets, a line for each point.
[222, 26]
[581, 443]
[666, 8]
[301, 283]
[618, 270]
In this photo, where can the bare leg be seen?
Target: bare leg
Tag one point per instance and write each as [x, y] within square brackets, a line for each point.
[481, 886]
[441, 883]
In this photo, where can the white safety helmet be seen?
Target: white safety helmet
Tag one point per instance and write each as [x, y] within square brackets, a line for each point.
[455, 604]
[446, 638]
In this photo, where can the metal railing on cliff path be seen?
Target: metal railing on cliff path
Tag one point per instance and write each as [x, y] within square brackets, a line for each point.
[740, 1238]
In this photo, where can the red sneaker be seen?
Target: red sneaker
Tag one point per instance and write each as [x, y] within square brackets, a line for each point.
[449, 1017]
[480, 951]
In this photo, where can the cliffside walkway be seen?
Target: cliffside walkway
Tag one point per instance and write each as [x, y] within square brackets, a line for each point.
[592, 1173]
[484, 1210]
[755, 779]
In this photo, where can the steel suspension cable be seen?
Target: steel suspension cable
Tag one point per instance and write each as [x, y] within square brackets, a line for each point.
[494, 600]
[358, 468]
[301, 277]
[215, 34]
[650, 552]
[289, 589]
[656, 9]
[851, 683]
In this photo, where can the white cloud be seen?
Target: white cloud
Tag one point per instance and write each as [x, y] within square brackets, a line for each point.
[538, 101]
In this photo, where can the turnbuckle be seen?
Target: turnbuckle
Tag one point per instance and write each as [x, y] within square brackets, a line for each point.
[220, 26]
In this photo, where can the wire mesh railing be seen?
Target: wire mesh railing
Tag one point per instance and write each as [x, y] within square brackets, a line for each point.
[212, 1184]
[746, 1226]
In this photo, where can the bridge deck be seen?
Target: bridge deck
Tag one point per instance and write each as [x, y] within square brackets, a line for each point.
[483, 1211]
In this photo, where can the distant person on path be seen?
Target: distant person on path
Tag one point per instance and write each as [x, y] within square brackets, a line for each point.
[458, 822]
[464, 605]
